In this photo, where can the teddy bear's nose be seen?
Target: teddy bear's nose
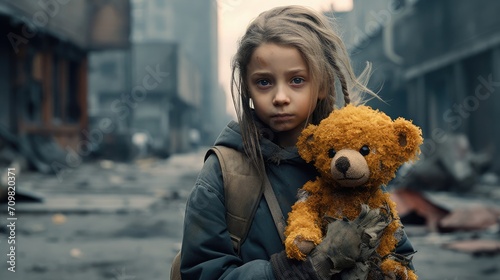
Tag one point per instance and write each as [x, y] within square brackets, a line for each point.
[342, 164]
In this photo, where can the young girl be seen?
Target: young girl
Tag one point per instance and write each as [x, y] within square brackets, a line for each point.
[284, 76]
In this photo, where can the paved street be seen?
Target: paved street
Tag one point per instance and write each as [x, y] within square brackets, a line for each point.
[103, 220]
[109, 220]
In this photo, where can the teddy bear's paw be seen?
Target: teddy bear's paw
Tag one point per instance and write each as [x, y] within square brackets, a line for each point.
[294, 253]
[400, 274]
[397, 267]
[292, 250]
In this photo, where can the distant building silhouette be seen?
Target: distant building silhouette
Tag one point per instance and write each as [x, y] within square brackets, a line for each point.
[178, 37]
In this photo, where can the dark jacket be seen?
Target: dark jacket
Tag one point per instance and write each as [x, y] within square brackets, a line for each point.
[207, 251]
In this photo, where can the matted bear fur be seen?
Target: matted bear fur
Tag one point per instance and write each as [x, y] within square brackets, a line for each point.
[357, 150]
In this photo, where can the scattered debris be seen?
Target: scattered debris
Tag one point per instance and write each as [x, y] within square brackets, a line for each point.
[450, 167]
[76, 253]
[39, 268]
[469, 219]
[58, 219]
[414, 208]
[106, 164]
[116, 180]
[447, 166]
[475, 247]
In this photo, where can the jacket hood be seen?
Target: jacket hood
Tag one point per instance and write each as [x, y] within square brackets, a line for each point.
[231, 137]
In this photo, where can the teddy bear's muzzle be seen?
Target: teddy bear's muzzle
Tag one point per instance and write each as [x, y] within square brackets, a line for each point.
[349, 168]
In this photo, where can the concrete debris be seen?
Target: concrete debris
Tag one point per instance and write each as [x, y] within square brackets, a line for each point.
[58, 219]
[449, 166]
[415, 208]
[475, 247]
[470, 219]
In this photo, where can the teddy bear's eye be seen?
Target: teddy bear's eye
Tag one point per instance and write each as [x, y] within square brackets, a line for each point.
[365, 150]
[331, 153]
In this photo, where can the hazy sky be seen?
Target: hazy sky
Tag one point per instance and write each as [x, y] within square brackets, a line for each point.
[235, 15]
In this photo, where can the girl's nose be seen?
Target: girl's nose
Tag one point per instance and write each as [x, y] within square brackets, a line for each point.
[281, 97]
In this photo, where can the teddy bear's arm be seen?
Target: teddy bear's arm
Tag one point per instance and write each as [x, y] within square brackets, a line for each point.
[304, 224]
[392, 267]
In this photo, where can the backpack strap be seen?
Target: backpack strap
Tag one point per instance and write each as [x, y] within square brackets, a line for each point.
[242, 192]
[243, 189]
[275, 209]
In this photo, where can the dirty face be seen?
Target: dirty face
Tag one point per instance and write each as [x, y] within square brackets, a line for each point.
[281, 90]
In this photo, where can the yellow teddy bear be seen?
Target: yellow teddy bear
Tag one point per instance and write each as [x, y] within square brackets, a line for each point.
[356, 150]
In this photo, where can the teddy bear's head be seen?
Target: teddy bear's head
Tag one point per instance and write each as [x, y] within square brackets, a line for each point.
[359, 146]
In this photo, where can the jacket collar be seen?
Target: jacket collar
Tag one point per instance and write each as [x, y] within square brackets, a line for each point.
[231, 137]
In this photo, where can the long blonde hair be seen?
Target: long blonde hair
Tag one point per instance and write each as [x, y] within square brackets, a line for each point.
[322, 49]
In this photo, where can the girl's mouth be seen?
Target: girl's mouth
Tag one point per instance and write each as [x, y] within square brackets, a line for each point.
[282, 117]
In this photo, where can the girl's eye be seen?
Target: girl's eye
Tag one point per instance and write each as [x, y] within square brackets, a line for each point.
[263, 83]
[365, 150]
[297, 81]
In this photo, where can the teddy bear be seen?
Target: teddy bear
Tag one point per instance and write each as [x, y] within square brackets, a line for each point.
[356, 151]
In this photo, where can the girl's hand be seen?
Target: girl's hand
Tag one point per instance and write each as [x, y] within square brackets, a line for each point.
[304, 246]
[348, 243]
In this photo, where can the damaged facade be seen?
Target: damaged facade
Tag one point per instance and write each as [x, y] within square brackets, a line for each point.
[169, 97]
[43, 81]
[74, 78]
[436, 62]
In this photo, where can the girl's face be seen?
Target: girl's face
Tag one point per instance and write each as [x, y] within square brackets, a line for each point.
[280, 88]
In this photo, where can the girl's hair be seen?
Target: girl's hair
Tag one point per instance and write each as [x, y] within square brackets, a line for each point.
[325, 55]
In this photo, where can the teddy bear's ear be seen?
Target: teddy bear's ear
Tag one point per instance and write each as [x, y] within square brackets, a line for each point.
[305, 143]
[409, 138]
